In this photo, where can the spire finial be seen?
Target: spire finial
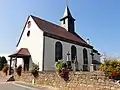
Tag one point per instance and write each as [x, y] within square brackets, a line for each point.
[67, 2]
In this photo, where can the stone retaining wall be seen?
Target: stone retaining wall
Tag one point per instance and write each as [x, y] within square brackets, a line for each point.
[77, 81]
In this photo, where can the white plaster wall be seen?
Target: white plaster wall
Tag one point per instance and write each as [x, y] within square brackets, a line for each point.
[65, 25]
[98, 58]
[95, 56]
[49, 53]
[19, 62]
[89, 58]
[34, 43]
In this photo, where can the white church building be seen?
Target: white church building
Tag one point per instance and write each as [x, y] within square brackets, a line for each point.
[44, 43]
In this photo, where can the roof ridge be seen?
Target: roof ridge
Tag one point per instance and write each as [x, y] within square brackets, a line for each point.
[57, 26]
[47, 21]
[57, 30]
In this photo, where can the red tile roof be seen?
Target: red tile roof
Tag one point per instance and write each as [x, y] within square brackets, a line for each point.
[21, 52]
[58, 32]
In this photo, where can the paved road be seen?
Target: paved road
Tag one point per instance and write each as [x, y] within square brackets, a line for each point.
[15, 86]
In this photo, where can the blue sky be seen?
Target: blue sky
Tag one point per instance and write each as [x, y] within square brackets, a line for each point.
[98, 20]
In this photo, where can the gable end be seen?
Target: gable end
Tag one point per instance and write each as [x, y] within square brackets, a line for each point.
[22, 32]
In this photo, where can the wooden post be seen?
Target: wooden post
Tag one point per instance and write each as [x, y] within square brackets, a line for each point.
[15, 62]
[10, 65]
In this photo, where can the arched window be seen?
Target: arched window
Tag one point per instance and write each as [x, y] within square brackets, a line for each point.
[58, 51]
[85, 56]
[28, 33]
[64, 21]
[73, 53]
[29, 24]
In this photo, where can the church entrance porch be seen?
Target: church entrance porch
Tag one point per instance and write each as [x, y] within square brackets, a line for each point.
[22, 53]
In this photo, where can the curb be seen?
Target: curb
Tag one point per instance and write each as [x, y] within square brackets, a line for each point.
[35, 86]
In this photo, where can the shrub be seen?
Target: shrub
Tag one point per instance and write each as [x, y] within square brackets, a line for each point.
[111, 68]
[19, 70]
[58, 66]
[5, 69]
[62, 70]
[35, 70]
[2, 62]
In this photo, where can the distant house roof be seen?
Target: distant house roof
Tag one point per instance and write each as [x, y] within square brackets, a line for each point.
[95, 62]
[95, 51]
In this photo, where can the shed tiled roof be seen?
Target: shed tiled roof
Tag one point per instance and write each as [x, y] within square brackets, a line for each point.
[21, 52]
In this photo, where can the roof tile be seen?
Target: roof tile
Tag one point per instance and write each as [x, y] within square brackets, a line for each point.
[57, 30]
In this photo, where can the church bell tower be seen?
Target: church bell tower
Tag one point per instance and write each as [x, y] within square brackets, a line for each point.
[67, 21]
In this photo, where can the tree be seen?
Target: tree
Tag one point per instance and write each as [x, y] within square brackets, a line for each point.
[0, 63]
[3, 61]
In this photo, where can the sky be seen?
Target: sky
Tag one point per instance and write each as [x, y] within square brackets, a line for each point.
[98, 20]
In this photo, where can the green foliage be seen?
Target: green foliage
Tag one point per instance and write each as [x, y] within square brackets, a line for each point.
[59, 65]
[2, 62]
[62, 70]
[111, 68]
[35, 67]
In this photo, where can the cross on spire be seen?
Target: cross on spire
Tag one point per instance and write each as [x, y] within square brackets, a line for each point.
[67, 2]
[67, 21]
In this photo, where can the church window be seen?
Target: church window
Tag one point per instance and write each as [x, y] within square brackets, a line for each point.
[64, 21]
[28, 33]
[85, 56]
[73, 53]
[29, 24]
[58, 51]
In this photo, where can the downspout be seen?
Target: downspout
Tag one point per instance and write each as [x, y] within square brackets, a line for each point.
[43, 52]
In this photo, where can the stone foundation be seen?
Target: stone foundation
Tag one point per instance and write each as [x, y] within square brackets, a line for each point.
[77, 81]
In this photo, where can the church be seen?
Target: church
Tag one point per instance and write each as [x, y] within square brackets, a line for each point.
[44, 43]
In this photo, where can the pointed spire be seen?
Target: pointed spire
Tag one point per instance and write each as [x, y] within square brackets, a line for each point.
[67, 21]
[67, 12]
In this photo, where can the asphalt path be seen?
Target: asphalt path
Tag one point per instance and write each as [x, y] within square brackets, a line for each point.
[15, 86]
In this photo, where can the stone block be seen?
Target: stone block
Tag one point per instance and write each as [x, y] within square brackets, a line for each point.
[77, 81]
